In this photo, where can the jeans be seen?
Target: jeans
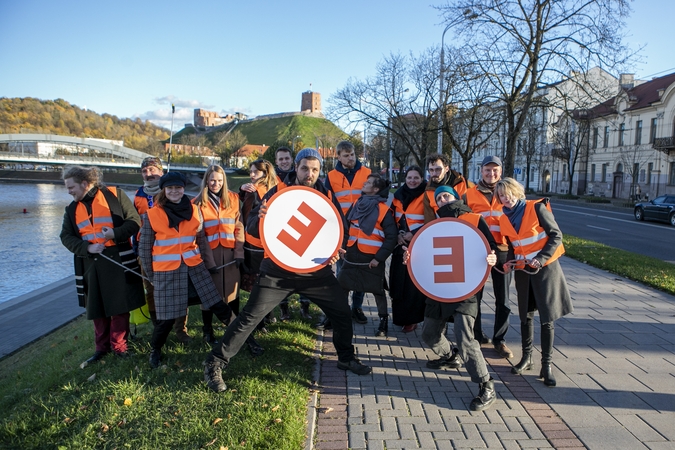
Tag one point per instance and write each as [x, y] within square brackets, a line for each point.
[268, 292]
[500, 287]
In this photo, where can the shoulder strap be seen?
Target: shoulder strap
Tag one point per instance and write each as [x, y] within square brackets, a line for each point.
[114, 205]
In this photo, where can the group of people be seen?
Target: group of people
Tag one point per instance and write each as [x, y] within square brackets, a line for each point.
[191, 252]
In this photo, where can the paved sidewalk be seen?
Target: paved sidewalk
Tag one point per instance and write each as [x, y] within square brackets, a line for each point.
[614, 362]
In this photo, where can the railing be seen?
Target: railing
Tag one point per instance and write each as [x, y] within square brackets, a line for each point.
[666, 143]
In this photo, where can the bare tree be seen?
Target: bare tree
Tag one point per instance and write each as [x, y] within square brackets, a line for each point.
[522, 44]
[633, 158]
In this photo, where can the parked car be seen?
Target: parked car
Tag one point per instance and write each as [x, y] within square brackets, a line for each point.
[661, 208]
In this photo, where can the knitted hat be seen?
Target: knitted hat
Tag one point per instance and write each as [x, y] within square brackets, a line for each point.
[172, 179]
[447, 189]
[152, 161]
[308, 153]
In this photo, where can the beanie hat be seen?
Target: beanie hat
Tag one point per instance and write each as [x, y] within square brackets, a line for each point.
[308, 153]
[152, 161]
[172, 179]
[447, 189]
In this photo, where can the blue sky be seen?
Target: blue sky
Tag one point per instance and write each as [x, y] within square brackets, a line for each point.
[132, 59]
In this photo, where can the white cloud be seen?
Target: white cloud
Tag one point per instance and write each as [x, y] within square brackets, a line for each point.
[181, 103]
[162, 116]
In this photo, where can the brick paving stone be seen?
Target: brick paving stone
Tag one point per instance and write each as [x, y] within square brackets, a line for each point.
[566, 443]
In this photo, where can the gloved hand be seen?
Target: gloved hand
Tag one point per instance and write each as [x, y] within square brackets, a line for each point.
[239, 262]
[213, 270]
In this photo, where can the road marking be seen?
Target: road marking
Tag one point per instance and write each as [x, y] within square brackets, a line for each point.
[644, 224]
[599, 228]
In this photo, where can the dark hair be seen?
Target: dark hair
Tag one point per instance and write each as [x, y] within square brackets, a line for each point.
[283, 149]
[443, 158]
[344, 146]
[379, 183]
[92, 175]
[417, 169]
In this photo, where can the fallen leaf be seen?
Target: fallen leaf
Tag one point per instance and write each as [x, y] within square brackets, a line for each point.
[67, 420]
[84, 407]
[325, 410]
[104, 428]
[211, 442]
[278, 364]
[127, 402]
[276, 408]
[223, 448]
[92, 378]
[217, 421]
[277, 420]
[166, 424]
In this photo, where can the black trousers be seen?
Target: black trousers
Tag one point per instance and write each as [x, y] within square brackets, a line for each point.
[268, 292]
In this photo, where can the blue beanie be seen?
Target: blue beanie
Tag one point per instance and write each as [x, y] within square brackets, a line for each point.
[172, 179]
[447, 189]
[308, 153]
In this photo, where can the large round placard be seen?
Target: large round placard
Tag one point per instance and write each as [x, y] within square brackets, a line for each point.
[302, 229]
[448, 260]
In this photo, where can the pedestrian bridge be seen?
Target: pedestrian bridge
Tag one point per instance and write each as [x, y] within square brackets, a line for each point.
[55, 150]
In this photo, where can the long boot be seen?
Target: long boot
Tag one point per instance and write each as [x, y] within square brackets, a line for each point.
[547, 334]
[383, 328]
[223, 312]
[304, 310]
[213, 374]
[160, 333]
[527, 336]
[207, 329]
[285, 313]
[180, 328]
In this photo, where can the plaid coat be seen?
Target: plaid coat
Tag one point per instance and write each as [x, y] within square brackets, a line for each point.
[171, 288]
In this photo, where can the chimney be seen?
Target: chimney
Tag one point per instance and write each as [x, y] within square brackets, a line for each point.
[626, 80]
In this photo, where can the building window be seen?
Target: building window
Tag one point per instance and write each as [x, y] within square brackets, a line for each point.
[671, 174]
[638, 132]
[636, 171]
[605, 142]
[596, 132]
[593, 172]
[652, 131]
[622, 131]
[604, 173]
[650, 167]
[642, 176]
[532, 173]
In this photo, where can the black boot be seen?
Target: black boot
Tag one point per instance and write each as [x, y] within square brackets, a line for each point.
[155, 358]
[285, 313]
[223, 312]
[547, 333]
[207, 329]
[527, 336]
[213, 374]
[304, 310]
[383, 328]
[486, 396]
[159, 335]
[254, 347]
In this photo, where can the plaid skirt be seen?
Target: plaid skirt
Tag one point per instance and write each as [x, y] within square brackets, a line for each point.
[171, 290]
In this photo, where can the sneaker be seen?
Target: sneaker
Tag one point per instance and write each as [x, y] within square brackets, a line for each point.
[503, 350]
[486, 396]
[358, 316]
[355, 366]
[213, 376]
[446, 362]
[325, 324]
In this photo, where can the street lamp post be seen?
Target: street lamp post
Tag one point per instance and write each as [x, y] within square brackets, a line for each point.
[441, 99]
[391, 135]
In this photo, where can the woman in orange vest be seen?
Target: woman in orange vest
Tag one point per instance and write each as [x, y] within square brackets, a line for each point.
[225, 234]
[407, 302]
[175, 254]
[535, 239]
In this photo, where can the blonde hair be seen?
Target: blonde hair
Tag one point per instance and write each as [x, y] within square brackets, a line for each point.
[269, 180]
[509, 187]
[204, 194]
[91, 175]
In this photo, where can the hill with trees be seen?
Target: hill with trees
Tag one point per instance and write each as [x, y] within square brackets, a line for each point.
[32, 115]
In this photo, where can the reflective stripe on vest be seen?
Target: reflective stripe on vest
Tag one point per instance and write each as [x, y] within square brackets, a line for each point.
[219, 225]
[531, 239]
[368, 243]
[413, 214]
[347, 194]
[91, 226]
[491, 212]
[261, 191]
[173, 246]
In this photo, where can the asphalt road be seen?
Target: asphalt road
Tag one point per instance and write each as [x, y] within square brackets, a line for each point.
[618, 228]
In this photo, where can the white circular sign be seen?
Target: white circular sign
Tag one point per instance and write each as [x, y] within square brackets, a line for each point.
[448, 260]
[302, 229]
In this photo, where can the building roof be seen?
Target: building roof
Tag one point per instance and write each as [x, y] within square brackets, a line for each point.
[249, 149]
[647, 93]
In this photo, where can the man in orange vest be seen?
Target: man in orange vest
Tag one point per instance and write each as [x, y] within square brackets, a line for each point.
[152, 171]
[345, 182]
[275, 283]
[482, 200]
[440, 174]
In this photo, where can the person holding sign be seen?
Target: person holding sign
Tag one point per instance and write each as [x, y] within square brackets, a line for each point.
[463, 313]
[275, 283]
[372, 237]
[536, 240]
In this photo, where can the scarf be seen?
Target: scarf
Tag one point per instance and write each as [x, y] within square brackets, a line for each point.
[178, 212]
[214, 199]
[151, 187]
[406, 195]
[454, 209]
[366, 211]
[515, 215]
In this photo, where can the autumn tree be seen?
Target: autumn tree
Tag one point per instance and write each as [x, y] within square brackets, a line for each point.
[226, 143]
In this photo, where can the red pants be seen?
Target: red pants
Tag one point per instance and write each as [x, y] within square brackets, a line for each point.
[111, 333]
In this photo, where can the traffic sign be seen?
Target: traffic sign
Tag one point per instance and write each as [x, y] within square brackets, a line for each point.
[302, 229]
[448, 260]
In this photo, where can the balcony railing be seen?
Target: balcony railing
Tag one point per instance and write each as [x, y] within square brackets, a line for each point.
[664, 144]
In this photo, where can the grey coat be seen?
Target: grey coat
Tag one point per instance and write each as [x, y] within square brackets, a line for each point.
[545, 291]
[171, 288]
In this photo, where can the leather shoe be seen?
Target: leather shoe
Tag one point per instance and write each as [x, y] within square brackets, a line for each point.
[483, 339]
[354, 366]
[96, 357]
[358, 316]
[409, 328]
[183, 337]
[503, 350]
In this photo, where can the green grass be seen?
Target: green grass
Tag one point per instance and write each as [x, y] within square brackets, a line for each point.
[48, 401]
[650, 271]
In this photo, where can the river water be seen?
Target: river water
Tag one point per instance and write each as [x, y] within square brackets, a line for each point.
[31, 253]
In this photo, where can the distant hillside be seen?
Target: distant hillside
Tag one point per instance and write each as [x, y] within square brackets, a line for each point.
[31, 115]
[279, 131]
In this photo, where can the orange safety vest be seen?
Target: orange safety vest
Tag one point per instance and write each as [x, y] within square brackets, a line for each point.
[141, 204]
[460, 187]
[414, 213]
[345, 193]
[90, 226]
[173, 246]
[531, 238]
[261, 190]
[219, 225]
[368, 243]
[491, 212]
[471, 218]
